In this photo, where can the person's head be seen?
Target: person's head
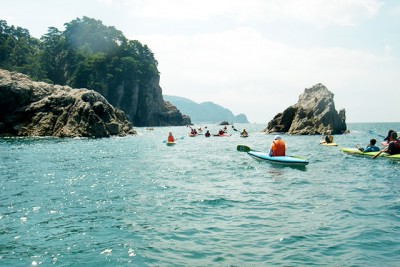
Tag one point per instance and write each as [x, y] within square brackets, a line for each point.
[277, 137]
[372, 142]
[170, 133]
[390, 132]
[394, 135]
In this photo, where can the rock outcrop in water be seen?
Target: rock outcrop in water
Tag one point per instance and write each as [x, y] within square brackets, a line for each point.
[314, 113]
[29, 108]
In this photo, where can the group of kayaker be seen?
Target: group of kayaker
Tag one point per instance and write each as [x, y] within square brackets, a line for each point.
[221, 132]
[278, 146]
[391, 143]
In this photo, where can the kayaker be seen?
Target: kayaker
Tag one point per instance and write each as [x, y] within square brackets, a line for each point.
[221, 132]
[388, 138]
[207, 133]
[244, 133]
[371, 147]
[328, 138]
[394, 145]
[193, 132]
[278, 147]
[170, 138]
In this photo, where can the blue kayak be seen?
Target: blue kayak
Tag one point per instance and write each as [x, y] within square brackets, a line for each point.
[284, 160]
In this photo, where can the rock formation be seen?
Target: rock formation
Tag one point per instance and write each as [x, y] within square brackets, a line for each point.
[29, 108]
[314, 113]
[144, 105]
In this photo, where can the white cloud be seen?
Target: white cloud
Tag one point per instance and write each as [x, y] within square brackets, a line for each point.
[320, 12]
[243, 71]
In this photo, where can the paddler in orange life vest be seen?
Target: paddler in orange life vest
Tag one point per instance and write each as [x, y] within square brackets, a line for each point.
[171, 138]
[278, 147]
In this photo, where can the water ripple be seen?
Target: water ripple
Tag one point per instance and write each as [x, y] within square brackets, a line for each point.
[135, 202]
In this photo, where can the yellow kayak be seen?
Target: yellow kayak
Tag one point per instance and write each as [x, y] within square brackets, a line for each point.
[328, 144]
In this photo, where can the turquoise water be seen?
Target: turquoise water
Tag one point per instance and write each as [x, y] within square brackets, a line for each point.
[134, 201]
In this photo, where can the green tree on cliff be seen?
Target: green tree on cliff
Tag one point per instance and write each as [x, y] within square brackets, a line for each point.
[19, 51]
[87, 54]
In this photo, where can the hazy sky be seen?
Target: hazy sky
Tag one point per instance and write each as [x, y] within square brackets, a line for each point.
[253, 56]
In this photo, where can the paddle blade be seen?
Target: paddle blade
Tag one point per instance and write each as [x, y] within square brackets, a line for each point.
[243, 148]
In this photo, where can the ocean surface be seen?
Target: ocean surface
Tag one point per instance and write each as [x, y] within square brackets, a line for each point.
[133, 201]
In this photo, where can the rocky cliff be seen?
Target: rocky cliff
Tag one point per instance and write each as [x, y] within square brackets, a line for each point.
[30, 108]
[314, 113]
[144, 104]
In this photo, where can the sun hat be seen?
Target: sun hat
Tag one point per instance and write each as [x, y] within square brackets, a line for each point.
[278, 137]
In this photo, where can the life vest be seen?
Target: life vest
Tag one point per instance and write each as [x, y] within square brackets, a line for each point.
[394, 147]
[278, 148]
[171, 138]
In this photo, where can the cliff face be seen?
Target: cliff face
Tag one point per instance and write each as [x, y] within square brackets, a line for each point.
[314, 113]
[144, 104]
[30, 108]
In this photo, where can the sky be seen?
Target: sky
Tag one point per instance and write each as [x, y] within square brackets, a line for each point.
[252, 56]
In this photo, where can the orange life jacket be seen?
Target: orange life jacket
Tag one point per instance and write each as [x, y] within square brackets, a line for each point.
[171, 138]
[278, 148]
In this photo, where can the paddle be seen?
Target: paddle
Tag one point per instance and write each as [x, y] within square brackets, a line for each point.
[380, 152]
[372, 132]
[243, 148]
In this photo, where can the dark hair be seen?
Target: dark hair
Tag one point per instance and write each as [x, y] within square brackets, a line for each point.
[372, 141]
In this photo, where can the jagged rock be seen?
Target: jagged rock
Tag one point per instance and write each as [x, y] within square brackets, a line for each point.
[224, 123]
[29, 108]
[314, 113]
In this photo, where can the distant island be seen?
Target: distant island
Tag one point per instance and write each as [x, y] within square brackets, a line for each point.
[206, 112]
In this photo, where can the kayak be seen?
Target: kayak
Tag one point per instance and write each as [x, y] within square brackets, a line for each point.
[192, 135]
[222, 135]
[356, 152]
[244, 136]
[170, 143]
[283, 160]
[328, 144]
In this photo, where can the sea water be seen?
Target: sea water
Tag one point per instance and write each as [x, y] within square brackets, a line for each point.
[133, 201]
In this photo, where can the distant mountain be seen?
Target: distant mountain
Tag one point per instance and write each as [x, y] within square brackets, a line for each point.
[208, 112]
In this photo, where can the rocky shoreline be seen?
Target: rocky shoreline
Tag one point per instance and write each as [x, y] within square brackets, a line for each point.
[29, 108]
